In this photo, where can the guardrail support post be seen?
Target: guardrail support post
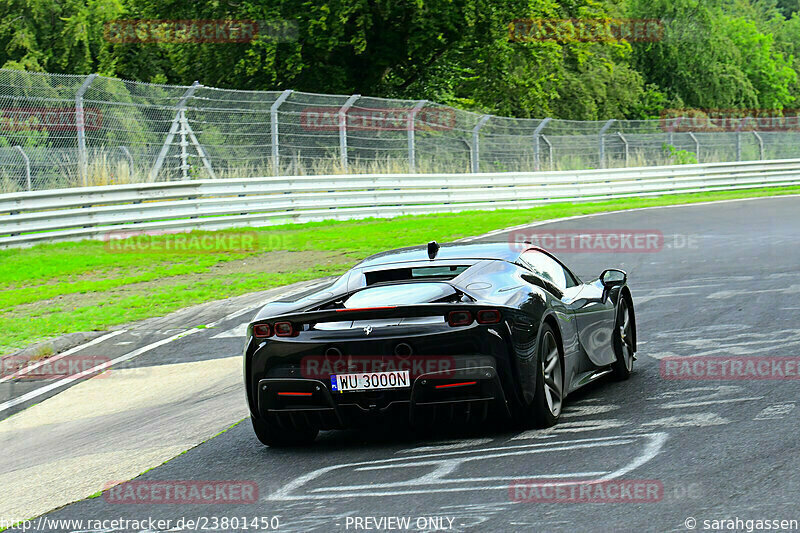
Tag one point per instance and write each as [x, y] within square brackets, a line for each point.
[760, 145]
[625, 142]
[80, 128]
[696, 145]
[536, 133]
[273, 128]
[476, 153]
[412, 150]
[549, 151]
[343, 129]
[27, 165]
[176, 123]
[602, 143]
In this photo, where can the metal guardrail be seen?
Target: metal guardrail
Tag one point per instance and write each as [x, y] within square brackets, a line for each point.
[96, 212]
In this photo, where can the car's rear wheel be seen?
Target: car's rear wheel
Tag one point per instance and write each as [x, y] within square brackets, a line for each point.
[545, 408]
[270, 435]
[623, 342]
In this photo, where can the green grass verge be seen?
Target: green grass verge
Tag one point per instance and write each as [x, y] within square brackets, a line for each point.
[53, 289]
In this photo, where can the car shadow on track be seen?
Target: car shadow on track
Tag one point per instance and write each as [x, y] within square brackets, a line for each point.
[390, 435]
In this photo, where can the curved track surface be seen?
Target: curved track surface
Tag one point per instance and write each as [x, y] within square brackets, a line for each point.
[725, 283]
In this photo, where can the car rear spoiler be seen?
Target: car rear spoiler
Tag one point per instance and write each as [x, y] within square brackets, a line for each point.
[368, 313]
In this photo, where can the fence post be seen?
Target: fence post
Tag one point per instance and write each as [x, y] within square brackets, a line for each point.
[128, 156]
[412, 150]
[273, 127]
[80, 124]
[738, 145]
[536, 133]
[184, 144]
[739, 138]
[343, 129]
[176, 123]
[200, 151]
[549, 151]
[625, 142]
[602, 143]
[696, 145]
[760, 145]
[469, 149]
[476, 153]
[27, 165]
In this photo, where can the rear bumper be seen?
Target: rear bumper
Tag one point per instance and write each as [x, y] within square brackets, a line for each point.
[468, 395]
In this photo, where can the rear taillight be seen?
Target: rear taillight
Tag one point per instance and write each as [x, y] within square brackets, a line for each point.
[489, 316]
[261, 331]
[459, 318]
[452, 385]
[285, 329]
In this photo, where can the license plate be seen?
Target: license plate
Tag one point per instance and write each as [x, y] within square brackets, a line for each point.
[370, 381]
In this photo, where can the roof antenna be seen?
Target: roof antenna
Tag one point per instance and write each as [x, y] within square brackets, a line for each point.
[433, 249]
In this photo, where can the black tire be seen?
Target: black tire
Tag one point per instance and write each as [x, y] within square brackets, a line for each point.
[545, 409]
[269, 435]
[623, 339]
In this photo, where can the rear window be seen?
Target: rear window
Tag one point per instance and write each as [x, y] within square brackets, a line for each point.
[426, 272]
[402, 294]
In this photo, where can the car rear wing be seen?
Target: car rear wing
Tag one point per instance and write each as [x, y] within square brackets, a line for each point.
[456, 314]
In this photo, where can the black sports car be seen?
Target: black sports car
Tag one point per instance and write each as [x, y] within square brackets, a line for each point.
[460, 332]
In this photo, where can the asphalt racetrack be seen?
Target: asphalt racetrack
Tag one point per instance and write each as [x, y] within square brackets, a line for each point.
[725, 283]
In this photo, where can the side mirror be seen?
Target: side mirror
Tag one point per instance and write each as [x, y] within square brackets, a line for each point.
[613, 277]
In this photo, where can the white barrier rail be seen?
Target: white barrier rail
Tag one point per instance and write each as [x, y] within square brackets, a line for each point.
[95, 212]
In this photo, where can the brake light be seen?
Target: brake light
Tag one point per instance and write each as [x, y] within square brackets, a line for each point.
[285, 329]
[295, 394]
[261, 331]
[459, 318]
[451, 385]
[489, 316]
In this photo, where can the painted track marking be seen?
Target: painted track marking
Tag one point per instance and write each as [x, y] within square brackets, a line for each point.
[135, 353]
[51, 360]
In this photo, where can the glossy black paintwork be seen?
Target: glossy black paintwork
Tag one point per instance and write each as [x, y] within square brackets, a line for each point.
[493, 250]
[582, 316]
